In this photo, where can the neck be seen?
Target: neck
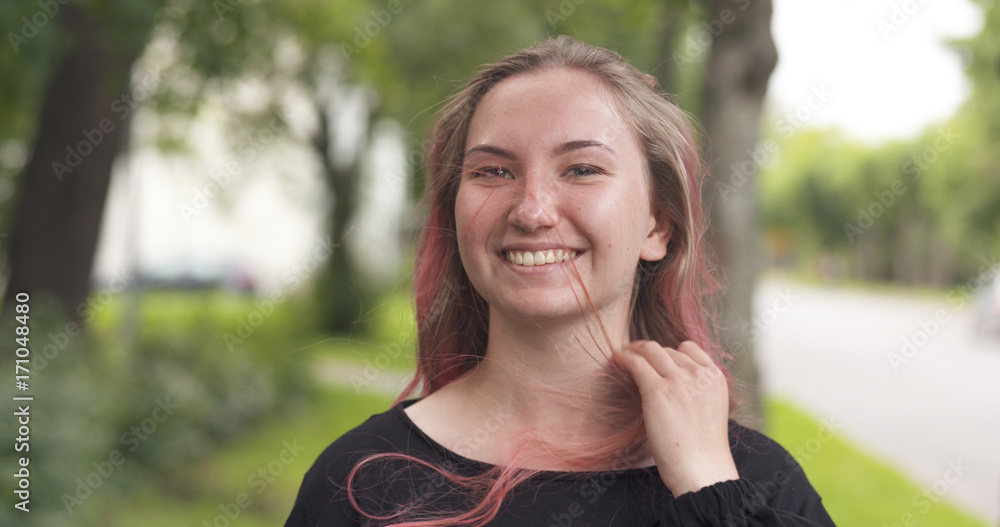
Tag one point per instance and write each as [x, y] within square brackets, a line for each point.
[555, 378]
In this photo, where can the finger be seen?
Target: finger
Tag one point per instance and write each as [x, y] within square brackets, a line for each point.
[667, 361]
[643, 373]
[696, 353]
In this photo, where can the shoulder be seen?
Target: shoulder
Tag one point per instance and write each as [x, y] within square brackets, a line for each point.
[380, 433]
[754, 450]
[774, 471]
[388, 432]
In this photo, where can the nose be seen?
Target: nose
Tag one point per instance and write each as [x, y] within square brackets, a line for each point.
[535, 206]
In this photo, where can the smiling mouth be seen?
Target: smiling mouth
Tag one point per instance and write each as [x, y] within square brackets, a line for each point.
[536, 258]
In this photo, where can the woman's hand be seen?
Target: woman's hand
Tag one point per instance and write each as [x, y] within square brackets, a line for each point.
[685, 405]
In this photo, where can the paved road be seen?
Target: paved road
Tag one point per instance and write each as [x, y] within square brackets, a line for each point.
[843, 354]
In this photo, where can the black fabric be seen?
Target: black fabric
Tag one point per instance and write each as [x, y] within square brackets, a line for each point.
[772, 489]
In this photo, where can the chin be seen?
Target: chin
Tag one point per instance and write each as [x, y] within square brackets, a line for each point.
[541, 313]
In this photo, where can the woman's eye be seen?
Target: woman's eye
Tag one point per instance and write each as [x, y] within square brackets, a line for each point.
[495, 172]
[583, 171]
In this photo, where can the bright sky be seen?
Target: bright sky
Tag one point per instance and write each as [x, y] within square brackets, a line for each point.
[889, 72]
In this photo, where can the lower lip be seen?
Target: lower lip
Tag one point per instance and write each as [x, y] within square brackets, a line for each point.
[538, 269]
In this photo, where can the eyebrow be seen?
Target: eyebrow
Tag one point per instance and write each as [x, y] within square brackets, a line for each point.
[561, 149]
[576, 145]
[490, 149]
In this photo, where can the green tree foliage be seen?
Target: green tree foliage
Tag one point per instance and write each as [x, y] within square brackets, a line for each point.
[966, 182]
[925, 211]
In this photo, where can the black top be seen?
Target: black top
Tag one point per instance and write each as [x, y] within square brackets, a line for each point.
[772, 489]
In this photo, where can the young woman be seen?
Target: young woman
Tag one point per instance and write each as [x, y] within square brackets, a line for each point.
[566, 369]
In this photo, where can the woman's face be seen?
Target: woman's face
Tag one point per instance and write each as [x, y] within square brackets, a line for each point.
[552, 178]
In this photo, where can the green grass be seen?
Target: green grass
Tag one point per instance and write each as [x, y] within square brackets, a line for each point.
[857, 488]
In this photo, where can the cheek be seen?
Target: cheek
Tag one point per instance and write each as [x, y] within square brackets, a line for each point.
[471, 219]
[615, 222]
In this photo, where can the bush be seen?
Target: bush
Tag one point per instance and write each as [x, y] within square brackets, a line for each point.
[116, 409]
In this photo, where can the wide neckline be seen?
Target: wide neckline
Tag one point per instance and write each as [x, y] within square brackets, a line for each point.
[399, 411]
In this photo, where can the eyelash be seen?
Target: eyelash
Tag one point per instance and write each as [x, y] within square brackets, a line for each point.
[494, 172]
[592, 171]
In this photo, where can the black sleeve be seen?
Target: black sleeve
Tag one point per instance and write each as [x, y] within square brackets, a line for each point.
[772, 491]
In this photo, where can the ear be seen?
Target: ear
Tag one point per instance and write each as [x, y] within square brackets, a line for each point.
[654, 247]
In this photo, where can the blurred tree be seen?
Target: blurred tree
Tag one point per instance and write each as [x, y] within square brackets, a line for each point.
[739, 67]
[961, 159]
[282, 54]
[854, 204]
[82, 122]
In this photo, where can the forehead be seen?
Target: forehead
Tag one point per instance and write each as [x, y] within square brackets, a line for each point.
[547, 108]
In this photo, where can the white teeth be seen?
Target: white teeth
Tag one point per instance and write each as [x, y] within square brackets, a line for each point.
[529, 258]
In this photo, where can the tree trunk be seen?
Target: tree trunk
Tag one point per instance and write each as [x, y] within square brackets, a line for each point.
[742, 58]
[82, 126]
[343, 295]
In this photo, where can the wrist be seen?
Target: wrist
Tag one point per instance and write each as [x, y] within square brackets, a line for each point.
[682, 484]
